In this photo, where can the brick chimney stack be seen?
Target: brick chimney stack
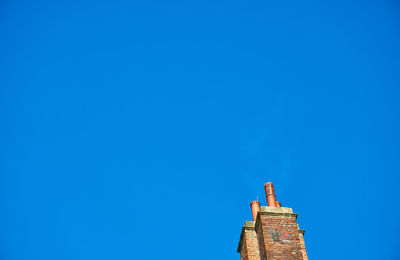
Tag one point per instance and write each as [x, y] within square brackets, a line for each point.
[273, 233]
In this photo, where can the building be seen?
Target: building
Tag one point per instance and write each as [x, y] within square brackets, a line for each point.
[273, 233]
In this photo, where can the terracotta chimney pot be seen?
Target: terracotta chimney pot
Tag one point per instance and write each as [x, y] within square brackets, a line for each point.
[255, 208]
[270, 193]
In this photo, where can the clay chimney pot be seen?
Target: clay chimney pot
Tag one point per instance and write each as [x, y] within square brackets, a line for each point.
[270, 193]
[255, 208]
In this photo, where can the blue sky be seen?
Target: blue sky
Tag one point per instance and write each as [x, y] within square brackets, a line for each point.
[143, 129]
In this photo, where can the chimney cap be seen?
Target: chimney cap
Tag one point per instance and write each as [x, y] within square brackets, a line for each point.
[255, 202]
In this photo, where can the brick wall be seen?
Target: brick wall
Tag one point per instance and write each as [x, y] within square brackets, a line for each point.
[249, 244]
[243, 251]
[261, 243]
[302, 244]
[281, 236]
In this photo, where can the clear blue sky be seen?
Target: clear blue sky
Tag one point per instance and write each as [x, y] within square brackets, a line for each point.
[143, 129]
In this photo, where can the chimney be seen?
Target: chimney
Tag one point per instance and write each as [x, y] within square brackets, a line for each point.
[255, 208]
[273, 233]
[270, 193]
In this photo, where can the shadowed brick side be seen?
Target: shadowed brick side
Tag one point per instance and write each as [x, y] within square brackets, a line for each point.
[281, 237]
[302, 244]
[261, 245]
[243, 251]
[249, 250]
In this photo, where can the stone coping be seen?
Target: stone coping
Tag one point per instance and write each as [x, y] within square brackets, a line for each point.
[276, 209]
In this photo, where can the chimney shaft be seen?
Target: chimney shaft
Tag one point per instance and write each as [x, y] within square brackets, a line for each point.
[255, 208]
[270, 193]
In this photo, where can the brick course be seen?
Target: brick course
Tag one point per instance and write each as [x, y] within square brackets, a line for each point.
[302, 244]
[281, 237]
[249, 243]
